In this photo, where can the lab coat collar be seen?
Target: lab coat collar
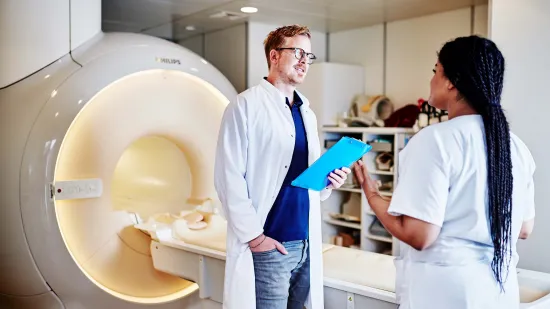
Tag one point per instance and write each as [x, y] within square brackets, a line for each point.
[272, 90]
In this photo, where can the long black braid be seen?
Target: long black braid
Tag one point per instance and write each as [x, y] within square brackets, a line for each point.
[475, 66]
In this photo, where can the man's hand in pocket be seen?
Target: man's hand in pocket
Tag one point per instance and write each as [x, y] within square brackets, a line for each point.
[263, 243]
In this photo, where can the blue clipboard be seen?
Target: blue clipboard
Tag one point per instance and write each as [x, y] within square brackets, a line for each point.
[344, 153]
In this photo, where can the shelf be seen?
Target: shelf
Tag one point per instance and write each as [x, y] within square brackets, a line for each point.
[355, 190]
[370, 130]
[379, 241]
[379, 238]
[356, 226]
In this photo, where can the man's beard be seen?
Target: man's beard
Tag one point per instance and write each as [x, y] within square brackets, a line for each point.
[289, 79]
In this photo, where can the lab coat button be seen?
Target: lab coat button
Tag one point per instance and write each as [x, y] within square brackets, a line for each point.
[286, 166]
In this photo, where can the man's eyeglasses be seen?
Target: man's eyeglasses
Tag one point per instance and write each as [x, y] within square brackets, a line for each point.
[299, 53]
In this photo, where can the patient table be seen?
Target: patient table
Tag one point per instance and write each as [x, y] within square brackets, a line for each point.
[352, 278]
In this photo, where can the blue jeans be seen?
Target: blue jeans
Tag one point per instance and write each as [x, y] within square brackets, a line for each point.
[282, 281]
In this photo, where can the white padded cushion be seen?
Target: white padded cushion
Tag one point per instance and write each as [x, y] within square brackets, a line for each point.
[212, 237]
[360, 267]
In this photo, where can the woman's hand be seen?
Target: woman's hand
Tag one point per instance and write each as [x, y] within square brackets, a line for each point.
[338, 177]
[369, 185]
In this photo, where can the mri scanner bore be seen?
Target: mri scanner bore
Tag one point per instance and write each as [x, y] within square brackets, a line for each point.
[147, 137]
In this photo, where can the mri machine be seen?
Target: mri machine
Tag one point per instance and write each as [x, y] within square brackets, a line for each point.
[107, 151]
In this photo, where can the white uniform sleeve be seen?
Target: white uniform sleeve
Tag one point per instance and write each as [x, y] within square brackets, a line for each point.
[530, 197]
[230, 171]
[325, 194]
[423, 180]
[530, 202]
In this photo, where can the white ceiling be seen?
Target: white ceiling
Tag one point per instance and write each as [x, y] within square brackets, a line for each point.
[169, 18]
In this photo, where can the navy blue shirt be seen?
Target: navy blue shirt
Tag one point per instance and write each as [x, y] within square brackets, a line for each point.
[288, 218]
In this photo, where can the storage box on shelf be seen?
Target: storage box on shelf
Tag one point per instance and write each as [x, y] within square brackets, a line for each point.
[348, 218]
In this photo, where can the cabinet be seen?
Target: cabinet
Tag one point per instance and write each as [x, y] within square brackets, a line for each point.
[347, 217]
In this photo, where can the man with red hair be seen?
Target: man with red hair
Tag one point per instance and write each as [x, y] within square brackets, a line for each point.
[268, 137]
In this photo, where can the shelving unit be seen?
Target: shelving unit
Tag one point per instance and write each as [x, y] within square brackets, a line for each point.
[350, 202]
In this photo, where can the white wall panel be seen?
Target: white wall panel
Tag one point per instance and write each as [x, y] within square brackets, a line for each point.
[363, 46]
[33, 34]
[481, 20]
[514, 26]
[411, 52]
[195, 44]
[398, 60]
[226, 50]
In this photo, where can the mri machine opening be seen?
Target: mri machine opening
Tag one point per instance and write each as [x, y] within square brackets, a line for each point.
[149, 137]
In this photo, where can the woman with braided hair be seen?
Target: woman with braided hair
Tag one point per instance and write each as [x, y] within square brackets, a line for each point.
[465, 192]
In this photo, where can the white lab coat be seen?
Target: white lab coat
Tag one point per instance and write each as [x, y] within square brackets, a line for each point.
[254, 151]
[443, 180]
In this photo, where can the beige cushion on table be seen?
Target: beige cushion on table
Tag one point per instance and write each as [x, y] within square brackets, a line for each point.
[359, 267]
[213, 236]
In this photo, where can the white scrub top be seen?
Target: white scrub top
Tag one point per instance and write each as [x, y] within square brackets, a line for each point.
[442, 179]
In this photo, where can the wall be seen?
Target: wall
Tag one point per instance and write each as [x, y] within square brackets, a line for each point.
[165, 31]
[257, 63]
[514, 25]
[481, 20]
[363, 46]
[411, 47]
[398, 57]
[230, 61]
[195, 44]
